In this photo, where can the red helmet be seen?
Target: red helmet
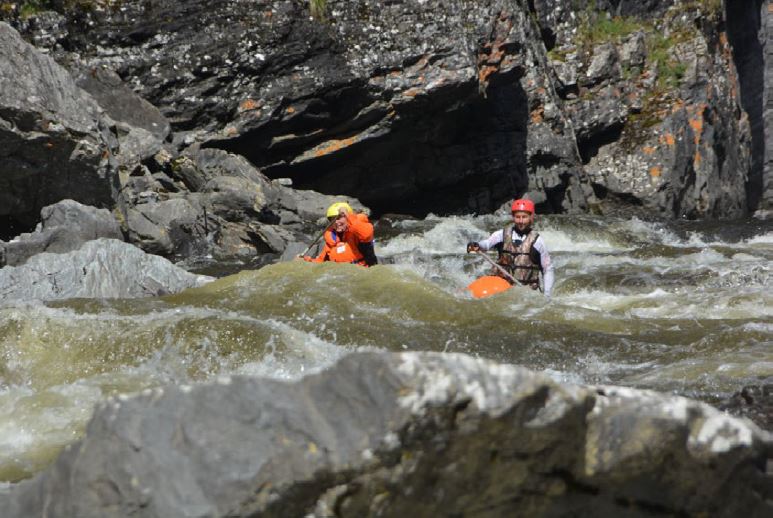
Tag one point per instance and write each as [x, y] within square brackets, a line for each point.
[523, 205]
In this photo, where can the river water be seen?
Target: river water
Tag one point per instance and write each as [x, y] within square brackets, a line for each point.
[679, 307]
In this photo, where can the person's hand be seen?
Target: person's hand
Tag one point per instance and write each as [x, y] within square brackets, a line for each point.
[472, 246]
[307, 258]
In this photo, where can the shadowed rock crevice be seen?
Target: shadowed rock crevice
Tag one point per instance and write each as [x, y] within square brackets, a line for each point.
[13, 225]
[590, 146]
[440, 153]
[743, 28]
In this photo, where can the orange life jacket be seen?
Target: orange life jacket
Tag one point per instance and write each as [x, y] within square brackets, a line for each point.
[345, 248]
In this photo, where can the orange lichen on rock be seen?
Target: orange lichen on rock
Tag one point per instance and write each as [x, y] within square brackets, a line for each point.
[697, 159]
[668, 139]
[648, 150]
[412, 92]
[290, 110]
[334, 145]
[696, 123]
[248, 104]
[485, 72]
[655, 171]
[536, 114]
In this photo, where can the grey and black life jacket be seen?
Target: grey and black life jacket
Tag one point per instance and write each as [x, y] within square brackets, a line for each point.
[520, 258]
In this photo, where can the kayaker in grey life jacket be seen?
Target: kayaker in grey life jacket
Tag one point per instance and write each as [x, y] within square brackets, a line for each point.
[522, 251]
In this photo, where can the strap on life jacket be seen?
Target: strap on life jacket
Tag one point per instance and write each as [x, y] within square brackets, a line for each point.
[349, 254]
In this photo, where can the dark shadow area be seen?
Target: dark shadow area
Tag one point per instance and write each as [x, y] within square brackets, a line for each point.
[589, 147]
[743, 25]
[13, 225]
[452, 150]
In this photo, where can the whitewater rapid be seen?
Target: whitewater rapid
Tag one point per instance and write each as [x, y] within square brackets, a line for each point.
[680, 307]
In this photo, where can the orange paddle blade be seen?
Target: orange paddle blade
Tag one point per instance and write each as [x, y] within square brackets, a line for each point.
[487, 286]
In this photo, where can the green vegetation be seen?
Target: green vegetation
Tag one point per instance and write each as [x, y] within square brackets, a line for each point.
[711, 7]
[29, 8]
[33, 7]
[670, 70]
[318, 9]
[598, 28]
[556, 54]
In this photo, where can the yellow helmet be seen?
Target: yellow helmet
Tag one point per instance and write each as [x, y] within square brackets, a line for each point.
[333, 210]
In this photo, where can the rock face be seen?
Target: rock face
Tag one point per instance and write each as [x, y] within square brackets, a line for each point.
[63, 227]
[654, 97]
[746, 31]
[406, 110]
[103, 268]
[411, 106]
[54, 139]
[767, 106]
[405, 435]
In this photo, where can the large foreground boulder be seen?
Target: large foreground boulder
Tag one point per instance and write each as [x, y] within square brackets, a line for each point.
[103, 268]
[413, 434]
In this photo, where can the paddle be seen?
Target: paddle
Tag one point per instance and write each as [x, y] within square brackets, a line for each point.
[315, 240]
[497, 266]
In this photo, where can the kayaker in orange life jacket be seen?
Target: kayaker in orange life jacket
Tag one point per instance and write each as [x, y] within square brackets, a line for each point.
[349, 238]
[522, 251]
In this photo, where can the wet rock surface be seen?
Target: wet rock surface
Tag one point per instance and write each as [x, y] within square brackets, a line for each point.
[412, 433]
[754, 402]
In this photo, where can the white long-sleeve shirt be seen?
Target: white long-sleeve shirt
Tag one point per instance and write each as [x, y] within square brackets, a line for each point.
[539, 245]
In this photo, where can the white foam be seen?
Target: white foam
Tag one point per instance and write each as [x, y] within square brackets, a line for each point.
[721, 433]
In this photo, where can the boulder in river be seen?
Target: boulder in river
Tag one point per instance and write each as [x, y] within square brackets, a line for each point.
[102, 268]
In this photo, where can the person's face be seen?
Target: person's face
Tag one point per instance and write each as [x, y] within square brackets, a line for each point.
[522, 220]
[339, 223]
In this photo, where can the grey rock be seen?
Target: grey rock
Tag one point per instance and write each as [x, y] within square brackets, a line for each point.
[121, 103]
[665, 135]
[566, 73]
[211, 202]
[604, 65]
[54, 140]
[63, 227]
[633, 52]
[102, 268]
[135, 145]
[167, 227]
[412, 434]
